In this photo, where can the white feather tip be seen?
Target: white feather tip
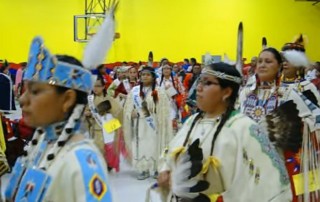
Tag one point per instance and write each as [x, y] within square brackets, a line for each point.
[97, 48]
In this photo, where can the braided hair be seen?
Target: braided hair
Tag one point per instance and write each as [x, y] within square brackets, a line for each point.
[103, 83]
[229, 70]
[73, 119]
[154, 93]
[171, 75]
[232, 71]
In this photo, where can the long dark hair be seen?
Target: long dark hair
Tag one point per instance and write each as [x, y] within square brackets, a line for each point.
[279, 59]
[99, 75]
[229, 70]
[104, 86]
[232, 71]
[154, 83]
[171, 75]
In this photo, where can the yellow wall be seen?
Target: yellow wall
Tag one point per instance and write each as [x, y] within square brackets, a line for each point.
[172, 28]
[21, 20]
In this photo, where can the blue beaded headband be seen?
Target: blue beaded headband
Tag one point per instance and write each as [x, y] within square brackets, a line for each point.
[44, 67]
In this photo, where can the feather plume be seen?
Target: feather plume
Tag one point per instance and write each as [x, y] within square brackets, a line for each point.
[301, 39]
[97, 48]
[239, 63]
[296, 58]
[5, 63]
[285, 136]
[297, 111]
[150, 59]
[264, 43]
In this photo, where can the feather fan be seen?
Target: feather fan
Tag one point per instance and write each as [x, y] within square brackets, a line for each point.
[185, 185]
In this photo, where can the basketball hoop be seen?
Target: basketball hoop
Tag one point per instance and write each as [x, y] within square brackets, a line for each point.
[91, 34]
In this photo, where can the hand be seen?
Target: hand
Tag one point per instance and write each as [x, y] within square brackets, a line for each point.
[164, 179]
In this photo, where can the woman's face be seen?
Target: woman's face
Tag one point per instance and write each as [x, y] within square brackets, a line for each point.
[176, 68]
[211, 97]
[42, 105]
[289, 71]
[196, 69]
[133, 73]
[166, 71]
[146, 78]
[98, 88]
[267, 66]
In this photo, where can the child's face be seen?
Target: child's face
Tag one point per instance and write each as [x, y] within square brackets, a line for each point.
[35, 101]
[98, 88]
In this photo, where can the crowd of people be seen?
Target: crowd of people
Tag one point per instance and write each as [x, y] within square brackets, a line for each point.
[206, 132]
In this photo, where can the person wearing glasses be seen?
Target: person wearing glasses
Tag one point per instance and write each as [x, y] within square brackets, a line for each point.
[221, 154]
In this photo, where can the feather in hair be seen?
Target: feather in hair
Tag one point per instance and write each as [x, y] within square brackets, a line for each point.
[97, 48]
[296, 58]
[301, 39]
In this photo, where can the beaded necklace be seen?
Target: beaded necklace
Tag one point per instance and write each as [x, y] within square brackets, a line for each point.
[256, 107]
[29, 163]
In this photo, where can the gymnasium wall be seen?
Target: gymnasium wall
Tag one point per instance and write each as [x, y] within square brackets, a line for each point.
[170, 28]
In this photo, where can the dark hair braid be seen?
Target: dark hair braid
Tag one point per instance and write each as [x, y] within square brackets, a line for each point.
[154, 93]
[173, 83]
[161, 80]
[104, 86]
[200, 115]
[142, 95]
[224, 119]
[230, 70]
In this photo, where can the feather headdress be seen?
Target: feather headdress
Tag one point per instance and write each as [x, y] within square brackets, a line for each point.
[294, 52]
[296, 58]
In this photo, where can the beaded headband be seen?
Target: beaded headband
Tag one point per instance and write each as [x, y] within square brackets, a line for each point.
[44, 67]
[222, 75]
